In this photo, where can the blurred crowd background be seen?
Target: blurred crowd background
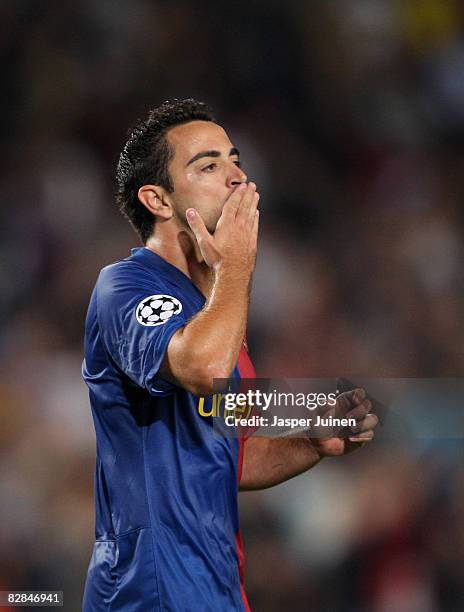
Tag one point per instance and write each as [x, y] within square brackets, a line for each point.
[349, 116]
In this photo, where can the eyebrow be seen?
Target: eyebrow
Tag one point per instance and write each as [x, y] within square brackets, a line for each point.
[233, 151]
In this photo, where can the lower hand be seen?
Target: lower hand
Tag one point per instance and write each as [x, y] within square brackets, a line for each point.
[352, 404]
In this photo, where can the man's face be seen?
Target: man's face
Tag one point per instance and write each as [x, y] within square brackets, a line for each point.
[204, 170]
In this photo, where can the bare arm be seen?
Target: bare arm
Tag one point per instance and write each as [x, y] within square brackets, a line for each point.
[208, 346]
[270, 461]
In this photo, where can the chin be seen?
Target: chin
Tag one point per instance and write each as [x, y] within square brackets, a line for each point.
[211, 227]
[211, 224]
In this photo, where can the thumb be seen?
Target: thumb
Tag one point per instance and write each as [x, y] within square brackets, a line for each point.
[197, 226]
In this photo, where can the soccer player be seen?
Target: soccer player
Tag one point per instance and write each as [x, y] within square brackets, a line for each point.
[161, 325]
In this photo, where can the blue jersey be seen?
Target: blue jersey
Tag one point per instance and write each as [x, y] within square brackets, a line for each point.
[167, 527]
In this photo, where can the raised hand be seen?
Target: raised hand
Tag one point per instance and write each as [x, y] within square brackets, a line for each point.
[234, 241]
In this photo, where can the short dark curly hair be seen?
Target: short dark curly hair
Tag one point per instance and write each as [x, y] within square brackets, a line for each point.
[145, 157]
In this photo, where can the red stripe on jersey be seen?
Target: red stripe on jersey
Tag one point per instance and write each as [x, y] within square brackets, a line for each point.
[245, 366]
[246, 370]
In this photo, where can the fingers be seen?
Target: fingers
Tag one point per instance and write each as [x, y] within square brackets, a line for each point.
[242, 203]
[366, 424]
[365, 436]
[360, 411]
[197, 226]
[364, 430]
[233, 202]
[358, 396]
[248, 204]
[254, 231]
[253, 208]
[348, 400]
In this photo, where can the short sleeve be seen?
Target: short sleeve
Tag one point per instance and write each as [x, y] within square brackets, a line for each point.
[137, 317]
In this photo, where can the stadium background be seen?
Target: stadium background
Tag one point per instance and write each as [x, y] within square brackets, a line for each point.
[350, 117]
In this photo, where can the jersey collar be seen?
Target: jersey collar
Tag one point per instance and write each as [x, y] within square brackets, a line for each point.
[153, 260]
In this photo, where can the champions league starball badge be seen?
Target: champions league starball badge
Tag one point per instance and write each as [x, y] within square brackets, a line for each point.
[157, 310]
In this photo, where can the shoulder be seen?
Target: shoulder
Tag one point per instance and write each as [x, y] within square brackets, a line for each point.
[128, 276]
[128, 283]
[124, 271]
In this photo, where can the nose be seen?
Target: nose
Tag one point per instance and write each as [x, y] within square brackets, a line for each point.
[236, 176]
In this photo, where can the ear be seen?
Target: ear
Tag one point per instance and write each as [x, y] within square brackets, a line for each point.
[156, 199]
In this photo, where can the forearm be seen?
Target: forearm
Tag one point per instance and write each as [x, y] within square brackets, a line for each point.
[270, 461]
[208, 346]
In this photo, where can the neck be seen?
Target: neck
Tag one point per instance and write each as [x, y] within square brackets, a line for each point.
[176, 246]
